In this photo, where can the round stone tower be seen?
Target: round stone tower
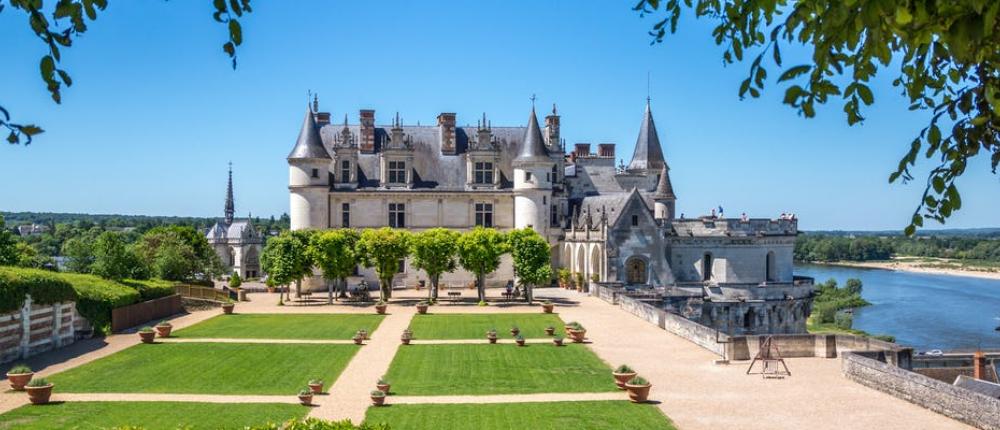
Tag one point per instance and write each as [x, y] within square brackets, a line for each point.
[309, 178]
[532, 180]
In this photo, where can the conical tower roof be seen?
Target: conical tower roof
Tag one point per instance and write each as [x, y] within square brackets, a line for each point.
[647, 154]
[230, 210]
[309, 144]
[533, 147]
[664, 189]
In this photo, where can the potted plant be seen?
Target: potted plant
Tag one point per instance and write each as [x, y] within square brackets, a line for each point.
[18, 376]
[550, 330]
[577, 333]
[519, 339]
[622, 375]
[378, 397]
[557, 341]
[227, 306]
[564, 277]
[147, 334]
[515, 330]
[364, 334]
[407, 336]
[383, 385]
[422, 307]
[163, 329]
[380, 307]
[569, 326]
[491, 335]
[638, 389]
[316, 386]
[39, 391]
[306, 396]
[547, 306]
[270, 285]
[358, 338]
[579, 281]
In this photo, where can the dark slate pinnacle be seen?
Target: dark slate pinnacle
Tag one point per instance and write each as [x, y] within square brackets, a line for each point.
[533, 147]
[647, 155]
[309, 144]
[230, 205]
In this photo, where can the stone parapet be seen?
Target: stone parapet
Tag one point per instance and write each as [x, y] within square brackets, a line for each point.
[708, 226]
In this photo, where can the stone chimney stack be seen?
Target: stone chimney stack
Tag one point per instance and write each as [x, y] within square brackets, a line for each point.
[446, 132]
[322, 118]
[582, 150]
[367, 143]
[552, 130]
[979, 365]
[606, 150]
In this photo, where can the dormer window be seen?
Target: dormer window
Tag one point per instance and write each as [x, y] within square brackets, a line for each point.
[345, 171]
[527, 176]
[397, 172]
[315, 173]
[483, 173]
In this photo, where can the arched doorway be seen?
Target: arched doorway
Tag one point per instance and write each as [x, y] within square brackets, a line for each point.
[581, 263]
[595, 263]
[635, 271]
[251, 263]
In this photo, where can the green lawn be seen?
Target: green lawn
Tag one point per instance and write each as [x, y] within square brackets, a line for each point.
[282, 326]
[149, 415]
[208, 368]
[515, 416]
[424, 370]
[474, 326]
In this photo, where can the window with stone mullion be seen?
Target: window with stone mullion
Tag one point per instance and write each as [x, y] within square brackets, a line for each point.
[484, 215]
[396, 172]
[483, 172]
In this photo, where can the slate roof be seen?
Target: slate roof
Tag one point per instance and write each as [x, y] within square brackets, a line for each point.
[309, 144]
[239, 229]
[613, 203]
[664, 189]
[533, 148]
[647, 154]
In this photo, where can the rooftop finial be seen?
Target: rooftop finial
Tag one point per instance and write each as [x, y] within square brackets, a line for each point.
[315, 102]
[345, 120]
[532, 102]
[554, 109]
[230, 210]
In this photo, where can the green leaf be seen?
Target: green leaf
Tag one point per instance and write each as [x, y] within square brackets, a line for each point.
[910, 229]
[903, 16]
[47, 66]
[794, 72]
[229, 48]
[866, 94]
[938, 183]
[235, 32]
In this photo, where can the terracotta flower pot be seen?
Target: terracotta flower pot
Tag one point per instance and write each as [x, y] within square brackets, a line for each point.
[306, 399]
[638, 393]
[492, 339]
[163, 330]
[515, 332]
[406, 340]
[383, 388]
[270, 289]
[578, 335]
[228, 308]
[17, 380]
[547, 308]
[550, 330]
[359, 340]
[557, 341]
[567, 329]
[39, 395]
[380, 309]
[520, 342]
[622, 378]
[422, 309]
[316, 388]
[147, 337]
[378, 400]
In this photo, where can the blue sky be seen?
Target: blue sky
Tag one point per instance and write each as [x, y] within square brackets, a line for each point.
[156, 112]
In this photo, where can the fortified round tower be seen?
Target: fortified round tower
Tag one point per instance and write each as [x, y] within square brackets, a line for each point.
[533, 175]
[309, 178]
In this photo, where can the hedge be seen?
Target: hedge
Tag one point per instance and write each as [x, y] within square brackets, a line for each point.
[150, 289]
[98, 296]
[44, 287]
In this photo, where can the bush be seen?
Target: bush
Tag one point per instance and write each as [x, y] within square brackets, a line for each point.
[45, 288]
[150, 289]
[97, 297]
[638, 380]
[885, 338]
[624, 369]
[844, 320]
[37, 382]
[19, 369]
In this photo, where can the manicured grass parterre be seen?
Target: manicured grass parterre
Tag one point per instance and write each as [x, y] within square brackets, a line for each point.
[425, 370]
[208, 368]
[595, 415]
[282, 326]
[474, 326]
[149, 415]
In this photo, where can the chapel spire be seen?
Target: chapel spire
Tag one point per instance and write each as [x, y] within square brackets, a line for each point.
[230, 205]
[647, 154]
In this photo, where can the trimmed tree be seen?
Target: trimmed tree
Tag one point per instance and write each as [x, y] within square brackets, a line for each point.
[434, 252]
[334, 253]
[285, 260]
[479, 251]
[112, 257]
[8, 245]
[532, 259]
[383, 249]
[235, 281]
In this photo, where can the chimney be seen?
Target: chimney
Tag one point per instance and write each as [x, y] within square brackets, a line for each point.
[582, 150]
[606, 150]
[322, 118]
[552, 130]
[446, 132]
[979, 365]
[367, 145]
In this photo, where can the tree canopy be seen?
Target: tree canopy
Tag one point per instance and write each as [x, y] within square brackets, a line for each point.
[479, 251]
[285, 259]
[8, 245]
[942, 55]
[384, 249]
[334, 253]
[434, 252]
[532, 258]
[113, 259]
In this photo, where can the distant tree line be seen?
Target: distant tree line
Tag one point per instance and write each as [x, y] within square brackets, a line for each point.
[812, 247]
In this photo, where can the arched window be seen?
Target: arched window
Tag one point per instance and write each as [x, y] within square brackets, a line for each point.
[771, 268]
[706, 267]
[635, 271]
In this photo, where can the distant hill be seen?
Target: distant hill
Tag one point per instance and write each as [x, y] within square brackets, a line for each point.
[141, 222]
[984, 232]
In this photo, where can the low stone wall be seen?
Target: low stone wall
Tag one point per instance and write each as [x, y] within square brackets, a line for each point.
[821, 345]
[604, 293]
[698, 334]
[36, 329]
[966, 406]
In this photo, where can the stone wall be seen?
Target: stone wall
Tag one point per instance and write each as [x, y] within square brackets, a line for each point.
[698, 334]
[36, 329]
[966, 406]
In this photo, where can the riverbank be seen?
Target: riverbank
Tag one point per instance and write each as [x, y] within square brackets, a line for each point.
[933, 266]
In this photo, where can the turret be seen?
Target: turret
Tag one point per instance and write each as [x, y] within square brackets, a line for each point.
[309, 177]
[532, 180]
[648, 156]
[663, 197]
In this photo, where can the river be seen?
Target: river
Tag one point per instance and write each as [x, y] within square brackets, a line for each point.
[922, 310]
